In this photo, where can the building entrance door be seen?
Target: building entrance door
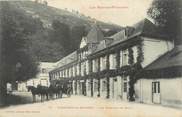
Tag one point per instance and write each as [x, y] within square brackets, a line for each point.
[95, 87]
[125, 88]
[156, 92]
[115, 84]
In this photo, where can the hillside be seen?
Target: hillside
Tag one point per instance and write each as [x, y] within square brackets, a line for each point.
[53, 33]
[47, 14]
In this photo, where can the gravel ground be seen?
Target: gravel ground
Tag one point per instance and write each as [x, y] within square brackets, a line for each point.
[80, 106]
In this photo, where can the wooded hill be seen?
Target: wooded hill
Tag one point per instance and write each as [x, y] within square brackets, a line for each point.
[54, 32]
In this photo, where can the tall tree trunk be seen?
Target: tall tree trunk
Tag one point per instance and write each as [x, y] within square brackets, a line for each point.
[2, 92]
[2, 82]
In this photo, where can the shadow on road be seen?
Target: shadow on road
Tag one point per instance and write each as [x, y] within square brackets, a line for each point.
[12, 99]
[20, 98]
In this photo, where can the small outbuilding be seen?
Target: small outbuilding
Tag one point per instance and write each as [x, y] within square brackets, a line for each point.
[161, 81]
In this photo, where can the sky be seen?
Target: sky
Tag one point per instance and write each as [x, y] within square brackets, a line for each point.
[121, 12]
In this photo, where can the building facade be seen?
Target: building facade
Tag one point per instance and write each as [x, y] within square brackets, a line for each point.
[106, 66]
[161, 81]
[41, 78]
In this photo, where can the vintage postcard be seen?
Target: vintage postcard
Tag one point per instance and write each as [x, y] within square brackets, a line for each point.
[90, 58]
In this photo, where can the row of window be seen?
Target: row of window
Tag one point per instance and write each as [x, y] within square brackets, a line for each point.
[82, 55]
[123, 58]
[82, 68]
[125, 85]
[103, 84]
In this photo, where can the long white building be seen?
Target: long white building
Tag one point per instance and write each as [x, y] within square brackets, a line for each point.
[110, 67]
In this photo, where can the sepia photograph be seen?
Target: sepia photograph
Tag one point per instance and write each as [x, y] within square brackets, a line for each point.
[90, 58]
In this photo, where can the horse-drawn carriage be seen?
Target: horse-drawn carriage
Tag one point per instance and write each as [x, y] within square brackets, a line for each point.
[51, 92]
[59, 90]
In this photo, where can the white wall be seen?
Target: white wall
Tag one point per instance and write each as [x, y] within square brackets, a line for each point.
[153, 49]
[143, 91]
[170, 91]
[22, 86]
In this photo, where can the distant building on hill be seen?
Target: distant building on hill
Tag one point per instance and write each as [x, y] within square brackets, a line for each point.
[41, 2]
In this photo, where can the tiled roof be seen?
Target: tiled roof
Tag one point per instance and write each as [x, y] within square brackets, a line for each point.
[170, 59]
[143, 28]
[119, 35]
[68, 59]
[47, 64]
[95, 36]
[146, 28]
[103, 44]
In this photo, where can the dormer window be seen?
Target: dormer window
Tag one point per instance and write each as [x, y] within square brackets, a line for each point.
[83, 42]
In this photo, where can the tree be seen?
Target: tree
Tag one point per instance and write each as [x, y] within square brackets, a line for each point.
[77, 33]
[167, 14]
[43, 49]
[61, 34]
[15, 31]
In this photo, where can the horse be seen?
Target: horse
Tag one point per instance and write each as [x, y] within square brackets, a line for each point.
[34, 92]
[55, 89]
[67, 90]
[43, 91]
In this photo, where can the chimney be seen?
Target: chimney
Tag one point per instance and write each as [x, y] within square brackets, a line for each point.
[128, 31]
